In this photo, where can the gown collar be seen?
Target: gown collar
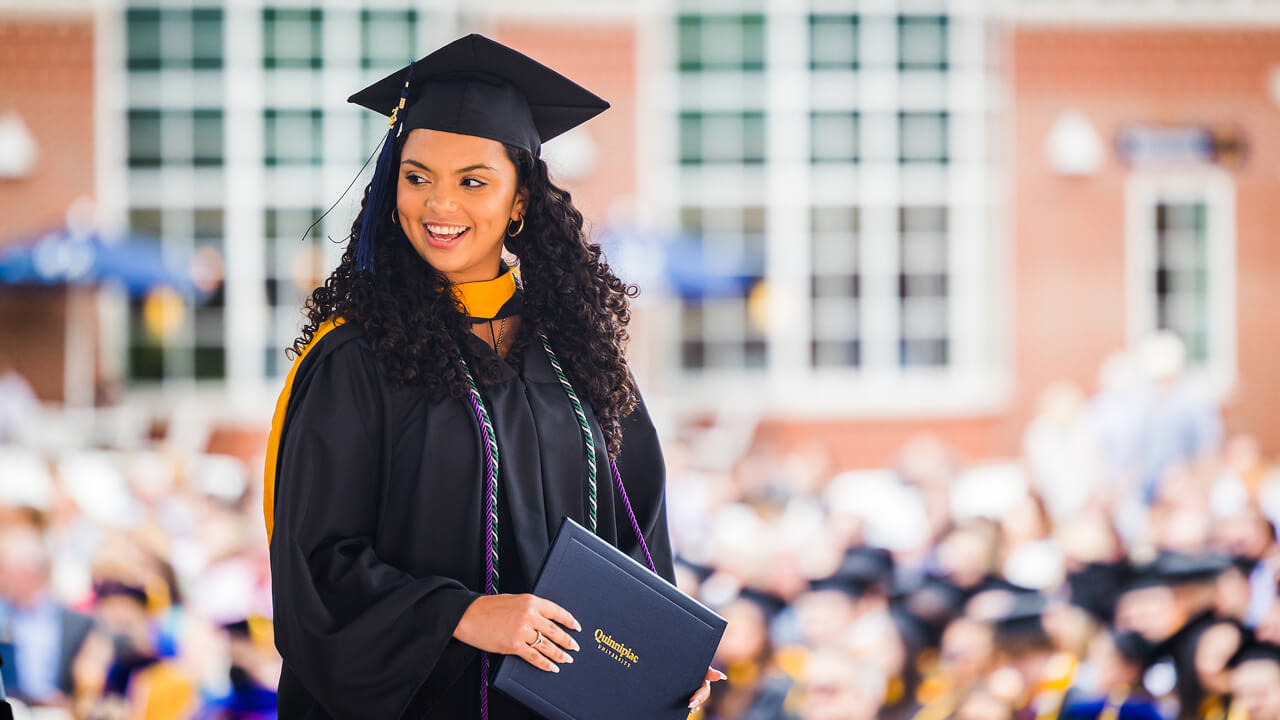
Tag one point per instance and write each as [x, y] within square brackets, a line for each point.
[485, 300]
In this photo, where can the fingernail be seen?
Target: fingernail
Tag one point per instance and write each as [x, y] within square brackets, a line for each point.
[568, 658]
[693, 706]
[555, 668]
[577, 626]
[722, 675]
[575, 644]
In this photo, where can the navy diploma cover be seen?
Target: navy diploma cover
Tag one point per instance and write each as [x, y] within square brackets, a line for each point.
[646, 645]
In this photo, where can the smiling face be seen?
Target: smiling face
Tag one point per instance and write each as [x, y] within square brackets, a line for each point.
[455, 195]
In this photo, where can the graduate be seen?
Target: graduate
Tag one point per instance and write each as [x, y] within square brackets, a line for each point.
[445, 410]
[1255, 680]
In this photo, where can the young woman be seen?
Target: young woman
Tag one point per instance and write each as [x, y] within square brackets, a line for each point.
[442, 414]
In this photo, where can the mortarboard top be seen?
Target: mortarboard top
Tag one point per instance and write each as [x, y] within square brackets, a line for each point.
[475, 86]
[875, 565]
[768, 602]
[1171, 569]
[1018, 619]
[116, 588]
[1255, 651]
[862, 570]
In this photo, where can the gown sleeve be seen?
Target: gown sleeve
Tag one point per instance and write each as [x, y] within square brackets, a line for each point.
[361, 635]
[644, 475]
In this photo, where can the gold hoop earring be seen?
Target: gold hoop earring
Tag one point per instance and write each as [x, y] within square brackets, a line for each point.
[519, 229]
[394, 216]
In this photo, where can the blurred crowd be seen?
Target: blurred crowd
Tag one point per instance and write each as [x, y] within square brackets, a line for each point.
[134, 581]
[1123, 567]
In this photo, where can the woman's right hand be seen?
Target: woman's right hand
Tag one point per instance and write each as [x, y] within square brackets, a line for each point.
[509, 624]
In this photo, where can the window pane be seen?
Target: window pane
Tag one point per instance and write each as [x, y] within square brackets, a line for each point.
[922, 137]
[923, 290]
[147, 221]
[690, 39]
[722, 137]
[207, 137]
[835, 288]
[691, 137]
[1182, 275]
[753, 42]
[142, 37]
[721, 42]
[834, 137]
[291, 38]
[293, 137]
[207, 224]
[833, 41]
[145, 141]
[922, 43]
[753, 137]
[721, 318]
[206, 47]
[388, 38]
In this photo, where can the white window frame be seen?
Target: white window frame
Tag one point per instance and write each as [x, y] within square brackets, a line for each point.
[978, 377]
[1144, 190]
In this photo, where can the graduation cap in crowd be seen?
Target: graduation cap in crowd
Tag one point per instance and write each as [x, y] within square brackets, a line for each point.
[472, 86]
[931, 601]
[1171, 569]
[1256, 650]
[1021, 625]
[769, 603]
[116, 588]
[863, 570]
[1096, 585]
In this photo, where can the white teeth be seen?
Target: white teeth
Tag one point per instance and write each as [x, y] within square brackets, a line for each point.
[446, 229]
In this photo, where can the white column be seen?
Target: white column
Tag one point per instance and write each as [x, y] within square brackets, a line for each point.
[246, 321]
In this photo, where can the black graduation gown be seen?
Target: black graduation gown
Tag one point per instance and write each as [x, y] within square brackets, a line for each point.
[377, 547]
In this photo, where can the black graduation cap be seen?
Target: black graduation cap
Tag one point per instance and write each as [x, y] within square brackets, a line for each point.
[1170, 569]
[472, 86]
[1023, 620]
[476, 86]
[862, 570]
[875, 565]
[1096, 585]
[768, 602]
[1257, 650]
[116, 588]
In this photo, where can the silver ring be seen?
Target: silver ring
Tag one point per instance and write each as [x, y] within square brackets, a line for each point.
[537, 642]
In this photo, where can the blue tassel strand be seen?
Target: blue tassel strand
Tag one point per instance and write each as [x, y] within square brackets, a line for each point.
[378, 186]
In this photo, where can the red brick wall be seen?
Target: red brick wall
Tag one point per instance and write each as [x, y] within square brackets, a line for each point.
[1068, 233]
[46, 76]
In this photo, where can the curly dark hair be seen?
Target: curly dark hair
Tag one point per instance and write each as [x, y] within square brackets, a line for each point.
[418, 332]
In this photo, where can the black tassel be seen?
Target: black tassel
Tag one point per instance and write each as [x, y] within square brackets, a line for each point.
[377, 187]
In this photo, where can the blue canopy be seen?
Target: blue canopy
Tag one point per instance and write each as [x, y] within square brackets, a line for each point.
[63, 257]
